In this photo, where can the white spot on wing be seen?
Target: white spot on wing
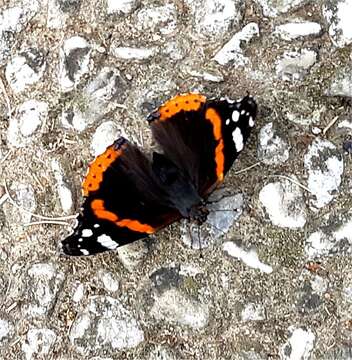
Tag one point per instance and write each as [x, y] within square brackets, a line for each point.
[243, 112]
[227, 121]
[235, 115]
[87, 232]
[96, 225]
[107, 242]
[237, 139]
[251, 121]
[84, 252]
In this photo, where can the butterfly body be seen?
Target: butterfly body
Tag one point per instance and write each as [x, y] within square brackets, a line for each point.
[128, 196]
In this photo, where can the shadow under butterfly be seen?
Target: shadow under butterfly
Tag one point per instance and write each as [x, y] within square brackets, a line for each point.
[129, 197]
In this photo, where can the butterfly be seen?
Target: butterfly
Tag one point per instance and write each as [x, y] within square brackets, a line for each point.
[129, 196]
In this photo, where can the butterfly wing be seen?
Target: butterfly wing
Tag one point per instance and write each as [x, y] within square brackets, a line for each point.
[124, 202]
[203, 137]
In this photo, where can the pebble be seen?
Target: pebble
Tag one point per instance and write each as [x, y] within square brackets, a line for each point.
[39, 343]
[232, 50]
[6, 331]
[64, 192]
[109, 280]
[29, 117]
[294, 30]
[294, 65]
[106, 324]
[25, 69]
[129, 53]
[253, 312]
[158, 18]
[338, 242]
[299, 345]
[44, 281]
[284, 203]
[121, 6]
[273, 8]
[104, 136]
[324, 166]
[341, 83]
[249, 257]
[273, 149]
[338, 16]
[213, 19]
[74, 62]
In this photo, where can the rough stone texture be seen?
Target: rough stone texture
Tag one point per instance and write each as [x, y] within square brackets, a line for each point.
[324, 165]
[105, 324]
[272, 148]
[273, 278]
[284, 203]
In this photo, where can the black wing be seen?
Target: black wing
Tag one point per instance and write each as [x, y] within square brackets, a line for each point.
[124, 202]
[203, 137]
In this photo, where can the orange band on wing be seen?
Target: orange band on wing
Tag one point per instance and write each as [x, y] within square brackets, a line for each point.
[186, 102]
[212, 116]
[97, 168]
[99, 210]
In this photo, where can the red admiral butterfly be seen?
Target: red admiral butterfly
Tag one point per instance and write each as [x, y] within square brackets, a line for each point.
[128, 196]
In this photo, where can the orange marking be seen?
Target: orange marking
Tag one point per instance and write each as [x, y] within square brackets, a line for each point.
[186, 102]
[212, 116]
[97, 169]
[99, 210]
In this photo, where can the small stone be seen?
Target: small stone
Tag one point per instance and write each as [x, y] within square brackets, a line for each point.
[129, 53]
[294, 30]
[105, 135]
[345, 124]
[272, 149]
[337, 15]
[74, 62]
[294, 65]
[27, 120]
[158, 18]
[122, 6]
[284, 203]
[133, 255]
[64, 192]
[253, 312]
[25, 69]
[105, 324]
[6, 331]
[12, 21]
[79, 292]
[232, 50]
[249, 258]
[109, 280]
[322, 243]
[25, 198]
[97, 99]
[213, 19]
[316, 130]
[324, 165]
[299, 344]
[341, 83]
[207, 76]
[39, 342]
[174, 307]
[59, 11]
[273, 8]
[44, 282]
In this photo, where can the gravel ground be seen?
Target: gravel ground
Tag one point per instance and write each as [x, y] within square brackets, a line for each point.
[275, 280]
